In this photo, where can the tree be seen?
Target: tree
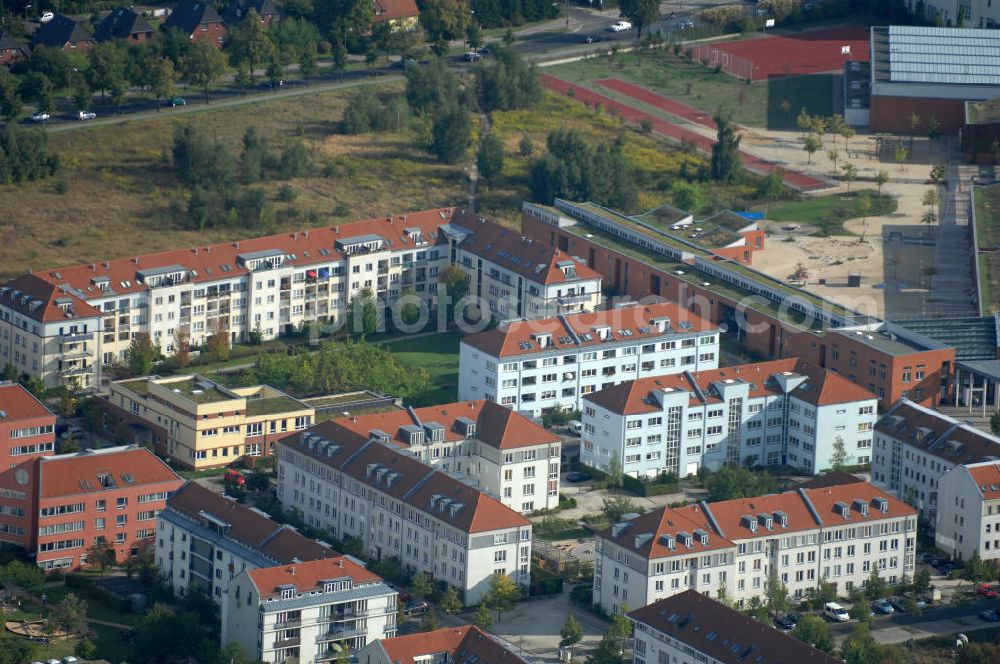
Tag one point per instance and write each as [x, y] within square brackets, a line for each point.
[508, 83]
[848, 133]
[804, 122]
[778, 602]
[977, 570]
[85, 650]
[726, 151]
[900, 155]
[734, 482]
[482, 618]
[182, 349]
[444, 21]
[933, 128]
[107, 66]
[161, 76]
[423, 585]
[218, 343]
[456, 282]
[995, 423]
[430, 621]
[930, 201]
[69, 615]
[81, 94]
[23, 575]
[850, 174]
[571, 633]
[687, 196]
[861, 609]
[101, 555]
[862, 648]
[11, 106]
[431, 87]
[489, 161]
[450, 602]
[362, 315]
[641, 13]
[864, 206]
[164, 635]
[203, 65]
[527, 146]
[621, 627]
[881, 178]
[875, 586]
[248, 43]
[800, 273]
[979, 653]
[936, 174]
[833, 156]
[451, 134]
[813, 630]
[772, 185]
[811, 144]
[503, 595]
[922, 580]
[838, 457]
[914, 125]
[756, 609]
[614, 478]
[608, 651]
[15, 649]
[474, 35]
[338, 55]
[141, 355]
[37, 88]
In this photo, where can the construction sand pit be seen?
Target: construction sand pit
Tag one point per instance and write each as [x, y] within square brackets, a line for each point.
[34, 629]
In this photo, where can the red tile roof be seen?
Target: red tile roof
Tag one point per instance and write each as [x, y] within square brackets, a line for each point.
[496, 425]
[822, 388]
[393, 10]
[518, 338]
[406, 479]
[251, 527]
[534, 260]
[205, 264]
[461, 643]
[826, 503]
[987, 479]
[40, 300]
[310, 575]
[77, 474]
[935, 433]
[18, 403]
[723, 634]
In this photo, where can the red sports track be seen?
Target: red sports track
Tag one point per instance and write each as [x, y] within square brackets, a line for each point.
[809, 52]
[794, 180]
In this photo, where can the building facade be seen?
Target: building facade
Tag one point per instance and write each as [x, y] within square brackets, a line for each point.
[110, 495]
[204, 539]
[307, 612]
[781, 412]
[27, 432]
[968, 515]
[481, 443]
[200, 424]
[689, 627]
[533, 366]
[351, 486]
[466, 644]
[835, 534]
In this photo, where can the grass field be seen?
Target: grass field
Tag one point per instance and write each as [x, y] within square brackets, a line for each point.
[987, 202]
[438, 353]
[830, 212]
[757, 105]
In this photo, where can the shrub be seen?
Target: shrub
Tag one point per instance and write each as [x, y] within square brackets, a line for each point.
[285, 194]
[61, 185]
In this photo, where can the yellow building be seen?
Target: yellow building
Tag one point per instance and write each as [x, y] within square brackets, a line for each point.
[201, 424]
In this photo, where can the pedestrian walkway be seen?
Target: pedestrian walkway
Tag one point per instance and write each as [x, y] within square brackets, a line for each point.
[952, 287]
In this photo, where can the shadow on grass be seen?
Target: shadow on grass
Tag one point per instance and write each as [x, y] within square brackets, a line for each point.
[788, 95]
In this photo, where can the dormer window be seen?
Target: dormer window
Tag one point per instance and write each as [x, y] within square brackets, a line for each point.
[881, 504]
[843, 508]
[750, 522]
[782, 519]
[861, 506]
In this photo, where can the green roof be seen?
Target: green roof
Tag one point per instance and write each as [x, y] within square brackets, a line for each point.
[272, 405]
[202, 391]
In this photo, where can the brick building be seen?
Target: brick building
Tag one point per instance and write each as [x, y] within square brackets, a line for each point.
[198, 20]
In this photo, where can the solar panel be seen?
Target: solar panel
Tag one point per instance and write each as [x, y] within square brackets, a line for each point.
[960, 56]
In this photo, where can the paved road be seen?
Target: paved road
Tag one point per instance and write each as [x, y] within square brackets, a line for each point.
[902, 627]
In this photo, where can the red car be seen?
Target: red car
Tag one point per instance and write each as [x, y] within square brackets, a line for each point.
[234, 477]
[986, 590]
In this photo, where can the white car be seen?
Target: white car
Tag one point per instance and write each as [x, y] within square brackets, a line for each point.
[40, 116]
[620, 26]
[46, 17]
[86, 115]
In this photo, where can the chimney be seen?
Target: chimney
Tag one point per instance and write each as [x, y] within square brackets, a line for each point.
[195, 251]
[208, 250]
[236, 244]
[336, 229]
[93, 267]
[291, 570]
[295, 236]
[305, 234]
[107, 265]
[340, 563]
[135, 260]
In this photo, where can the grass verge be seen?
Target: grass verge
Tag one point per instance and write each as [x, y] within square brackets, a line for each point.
[828, 213]
[438, 353]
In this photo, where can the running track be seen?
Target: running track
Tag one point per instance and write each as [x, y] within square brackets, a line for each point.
[651, 98]
[798, 181]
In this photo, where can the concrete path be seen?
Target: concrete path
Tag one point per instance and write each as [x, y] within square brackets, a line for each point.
[952, 289]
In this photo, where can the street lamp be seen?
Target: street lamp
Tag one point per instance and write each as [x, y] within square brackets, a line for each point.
[26, 8]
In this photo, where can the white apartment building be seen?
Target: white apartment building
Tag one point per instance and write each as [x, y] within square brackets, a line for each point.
[466, 644]
[689, 627]
[915, 446]
[968, 514]
[536, 365]
[519, 277]
[974, 13]
[781, 412]
[481, 443]
[204, 539]
[351, 486]
[836, 534]
[306, 613]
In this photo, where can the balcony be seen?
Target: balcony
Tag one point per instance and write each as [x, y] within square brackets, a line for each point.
[340, 634]
[73, 338]
[574, 299]
[287, 643]
[76, 370]
[288, 624]
[74, 352]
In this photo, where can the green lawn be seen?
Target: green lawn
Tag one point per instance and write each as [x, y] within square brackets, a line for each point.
[694, 84]
[438, 354]
[987, 200]
[830, 212]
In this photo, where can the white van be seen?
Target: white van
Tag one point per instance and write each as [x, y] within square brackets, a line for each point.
[575, 427]
[835, 612]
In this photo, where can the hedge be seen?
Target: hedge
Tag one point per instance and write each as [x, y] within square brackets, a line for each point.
[647, 488]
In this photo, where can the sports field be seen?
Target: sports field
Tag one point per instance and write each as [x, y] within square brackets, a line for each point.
[811, 52]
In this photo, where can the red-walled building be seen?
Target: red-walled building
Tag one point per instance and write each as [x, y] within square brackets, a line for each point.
[198, 20]
[27, 431]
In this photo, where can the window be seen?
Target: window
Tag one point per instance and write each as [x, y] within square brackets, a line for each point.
[500, 556]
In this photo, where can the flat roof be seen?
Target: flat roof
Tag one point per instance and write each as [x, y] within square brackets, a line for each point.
[272, 405]
[891, 344]
[199, 390]
[972, 338]
[939, 56]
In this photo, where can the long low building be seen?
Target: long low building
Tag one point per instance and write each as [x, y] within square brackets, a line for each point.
[354, 486]
[534, 366]
[780, 412]
[835, 534]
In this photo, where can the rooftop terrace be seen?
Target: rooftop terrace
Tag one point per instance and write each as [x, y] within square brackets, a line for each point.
[199, 390]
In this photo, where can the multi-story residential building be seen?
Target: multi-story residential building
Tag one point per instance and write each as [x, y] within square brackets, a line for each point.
[537, 365]
[482, 443]
[519, 277]
[968, 514]
[27, 432]
[200, 424]
[307, 612]
[352, 486]
[466, 644]
[110, 495]
[689, 627]
[835, 534]
[204, 539]
[780, 412]
[915, 446]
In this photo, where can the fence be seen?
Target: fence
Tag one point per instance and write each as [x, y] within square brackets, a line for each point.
[716, 57]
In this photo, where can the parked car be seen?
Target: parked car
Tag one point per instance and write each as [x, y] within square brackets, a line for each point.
[947, 568]
[178, 101]
[46, 17]
[70, 660]
[575, 427]
[40, 116]
[926, 558]
[835, 612]
[986, 590]
[86, 115]
[788, 621]
[472, 56]
[416, 607]
[234, 476]
[687, 24]
[883, 606]
[620, 26]
[990, 615]
[575, 477]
